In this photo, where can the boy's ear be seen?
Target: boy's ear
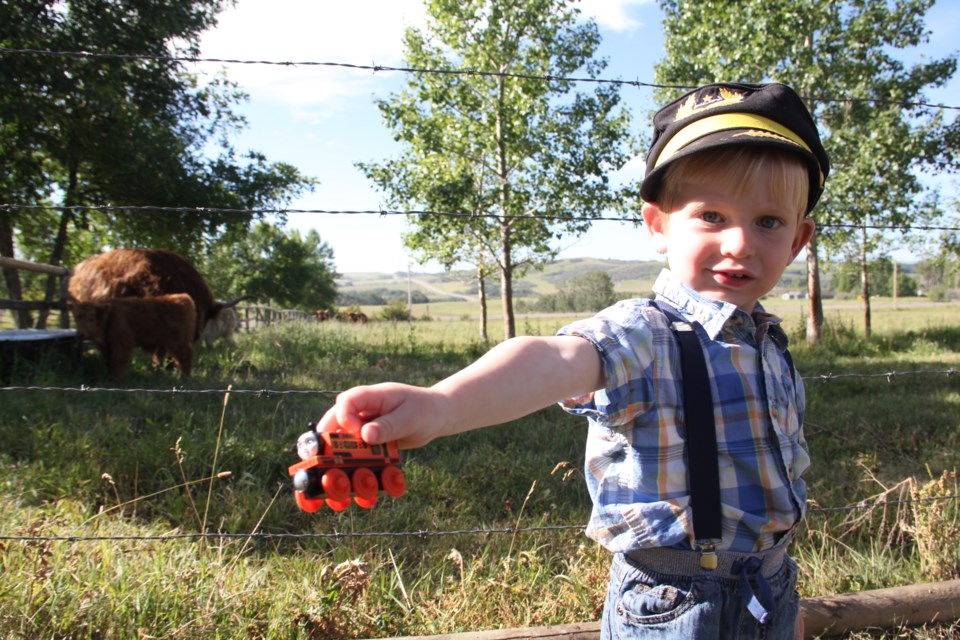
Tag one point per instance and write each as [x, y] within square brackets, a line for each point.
[804, 233]
[654, 220]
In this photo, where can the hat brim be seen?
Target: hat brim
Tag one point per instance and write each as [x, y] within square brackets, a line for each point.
[730, 138]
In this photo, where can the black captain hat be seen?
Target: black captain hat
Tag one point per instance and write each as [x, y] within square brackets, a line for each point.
[727, 114]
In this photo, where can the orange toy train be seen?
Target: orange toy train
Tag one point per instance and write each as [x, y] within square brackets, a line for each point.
[338, 465]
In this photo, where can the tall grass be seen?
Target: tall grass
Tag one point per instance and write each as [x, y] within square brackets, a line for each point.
[140, 464]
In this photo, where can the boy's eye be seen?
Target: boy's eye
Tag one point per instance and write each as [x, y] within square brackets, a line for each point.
[710, 216]
[769, 223]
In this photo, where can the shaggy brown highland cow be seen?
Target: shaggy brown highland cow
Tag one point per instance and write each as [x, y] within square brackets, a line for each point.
[161, 324]
[144, 273]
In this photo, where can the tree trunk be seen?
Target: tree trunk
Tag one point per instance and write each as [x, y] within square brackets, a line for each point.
[896, 283]
[815, 319]
[506, 244]
[814, 294]
[11, 277]
[864, 281]
[56, 259]
[506, 282]
[482, 295]
[60, 242]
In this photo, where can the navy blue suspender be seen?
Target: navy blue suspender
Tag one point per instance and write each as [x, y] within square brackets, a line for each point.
[702, 459]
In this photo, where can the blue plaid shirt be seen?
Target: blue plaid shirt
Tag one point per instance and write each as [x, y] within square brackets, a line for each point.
[635, 464]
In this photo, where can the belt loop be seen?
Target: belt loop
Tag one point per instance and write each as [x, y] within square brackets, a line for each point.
[760, 601]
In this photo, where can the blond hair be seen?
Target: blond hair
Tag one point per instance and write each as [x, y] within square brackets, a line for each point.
[784, 174]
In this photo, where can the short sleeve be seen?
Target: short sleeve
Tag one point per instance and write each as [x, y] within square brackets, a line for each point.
[623, 335]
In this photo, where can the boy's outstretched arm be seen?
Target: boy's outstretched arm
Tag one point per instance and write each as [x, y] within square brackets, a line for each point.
[514, 378]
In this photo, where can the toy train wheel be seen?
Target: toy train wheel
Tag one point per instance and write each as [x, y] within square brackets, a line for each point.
[365, 487]
[307, 504]
[338, 505]
[393, 481]
[336, 486]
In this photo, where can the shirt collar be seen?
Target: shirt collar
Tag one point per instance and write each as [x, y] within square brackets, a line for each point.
[711, 314]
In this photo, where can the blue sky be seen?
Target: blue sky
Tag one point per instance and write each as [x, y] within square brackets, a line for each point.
[322, 119]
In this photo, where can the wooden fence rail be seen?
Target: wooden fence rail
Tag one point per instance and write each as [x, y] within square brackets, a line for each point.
[251, 316]
[823, 617]
[39, 305]
[256, 315]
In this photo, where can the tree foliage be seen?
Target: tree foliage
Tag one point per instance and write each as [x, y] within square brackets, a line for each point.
[275, 265]
[587, 292]
[501, 136]
[846, 278]
[846, 59]
[134, 130]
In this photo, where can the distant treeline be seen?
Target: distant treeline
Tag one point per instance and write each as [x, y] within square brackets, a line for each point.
[587, 285]
[380, 296]
[587, 292]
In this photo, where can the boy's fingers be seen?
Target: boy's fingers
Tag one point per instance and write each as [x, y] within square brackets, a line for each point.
[339, 419]
[328, 422]
[376, 432]
[378, 414]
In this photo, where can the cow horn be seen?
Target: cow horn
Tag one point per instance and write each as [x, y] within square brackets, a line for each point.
[227, 305]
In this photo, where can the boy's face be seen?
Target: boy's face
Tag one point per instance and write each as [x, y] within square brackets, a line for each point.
[728, 247]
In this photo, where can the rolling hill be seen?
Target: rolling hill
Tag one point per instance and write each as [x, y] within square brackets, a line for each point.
[629, 278]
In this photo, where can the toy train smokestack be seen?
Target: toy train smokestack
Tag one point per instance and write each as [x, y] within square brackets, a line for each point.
[338, 466]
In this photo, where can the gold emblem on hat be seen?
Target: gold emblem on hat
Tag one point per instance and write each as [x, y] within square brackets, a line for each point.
[757, 133]
[691, 106]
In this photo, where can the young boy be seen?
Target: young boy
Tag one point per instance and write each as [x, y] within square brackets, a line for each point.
[694, 474]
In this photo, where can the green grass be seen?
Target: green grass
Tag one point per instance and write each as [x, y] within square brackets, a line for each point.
[88, 463]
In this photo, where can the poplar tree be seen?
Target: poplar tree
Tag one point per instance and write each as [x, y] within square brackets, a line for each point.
[498, 132]
[845, 58]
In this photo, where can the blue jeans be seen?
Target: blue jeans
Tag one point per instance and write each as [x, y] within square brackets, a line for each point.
[663, 598]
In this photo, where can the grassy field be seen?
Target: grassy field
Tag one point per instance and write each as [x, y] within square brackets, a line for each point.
[116, 472]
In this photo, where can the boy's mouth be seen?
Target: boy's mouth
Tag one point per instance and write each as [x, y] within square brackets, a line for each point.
[732, 277]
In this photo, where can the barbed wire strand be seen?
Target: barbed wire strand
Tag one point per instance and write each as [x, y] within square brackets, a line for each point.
[864, 504]
[463, 72]
[889, 376]
[423, 534]
[419, 213]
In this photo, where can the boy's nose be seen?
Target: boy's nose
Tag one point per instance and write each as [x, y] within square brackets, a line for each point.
[736, 242]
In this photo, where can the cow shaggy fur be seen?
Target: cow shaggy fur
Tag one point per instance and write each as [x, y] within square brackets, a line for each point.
[222, 325]
[160, 324]
[144, 273]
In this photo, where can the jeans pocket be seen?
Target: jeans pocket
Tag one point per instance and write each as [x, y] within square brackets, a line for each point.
[646, 602]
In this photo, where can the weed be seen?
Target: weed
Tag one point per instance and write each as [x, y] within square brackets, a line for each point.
[936, 526]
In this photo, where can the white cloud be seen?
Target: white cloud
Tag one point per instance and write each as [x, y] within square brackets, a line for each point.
[362, 32]
[613, 14]
[365, 32]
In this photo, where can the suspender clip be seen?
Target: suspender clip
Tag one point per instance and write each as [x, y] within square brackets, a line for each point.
[708, 553]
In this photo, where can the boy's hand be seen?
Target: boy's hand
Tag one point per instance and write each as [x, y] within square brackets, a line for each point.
[384, 412]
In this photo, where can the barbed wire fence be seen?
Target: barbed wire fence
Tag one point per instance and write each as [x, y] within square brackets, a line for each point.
[813, 509]
[418, 213]
[375, 68]
[889, 376]
[103, 55]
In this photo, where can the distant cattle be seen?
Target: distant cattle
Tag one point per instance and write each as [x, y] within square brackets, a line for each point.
[223, 325]
[323, 315]
[357, 316]
[143, 273]
[158, 325]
